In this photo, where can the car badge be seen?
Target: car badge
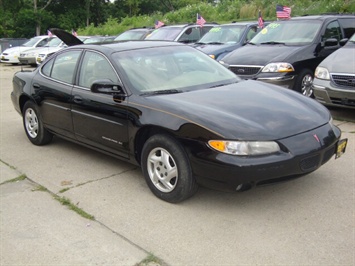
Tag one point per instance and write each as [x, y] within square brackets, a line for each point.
[316, 137]
[241, 70]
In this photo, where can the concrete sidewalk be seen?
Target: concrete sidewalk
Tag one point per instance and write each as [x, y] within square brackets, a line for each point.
[36, 229]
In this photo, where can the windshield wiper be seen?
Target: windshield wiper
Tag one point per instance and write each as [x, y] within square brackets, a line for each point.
[199, 43]
[272, 42]
[161, 92]
[223, 84]
[215, 43]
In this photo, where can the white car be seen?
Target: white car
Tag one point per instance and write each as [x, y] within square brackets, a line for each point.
[51, 48]
[29, 56]
[11, 55]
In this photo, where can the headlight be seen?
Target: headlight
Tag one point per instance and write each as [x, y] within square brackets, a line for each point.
[244, 147]
[212, 56]
[322, 73]
[278, 67]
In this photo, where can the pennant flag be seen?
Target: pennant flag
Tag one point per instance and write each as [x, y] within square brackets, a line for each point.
[74, 33]
[158, 24]
[200, 20]
[260, 20]
[49, 33]
[283, 11]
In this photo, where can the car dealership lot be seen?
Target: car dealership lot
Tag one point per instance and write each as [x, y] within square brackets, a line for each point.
[305, 221]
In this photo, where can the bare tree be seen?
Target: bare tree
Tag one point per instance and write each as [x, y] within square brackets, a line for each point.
[35, 7]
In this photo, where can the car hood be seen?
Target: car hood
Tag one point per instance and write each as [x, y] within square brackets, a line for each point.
[340, 61]
[68, 38]
[249, 110]
[16, 49]
[217, 48]
[47, 50]
[260, 54]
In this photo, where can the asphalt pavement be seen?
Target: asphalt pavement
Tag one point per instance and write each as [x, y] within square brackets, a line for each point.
[307, 221]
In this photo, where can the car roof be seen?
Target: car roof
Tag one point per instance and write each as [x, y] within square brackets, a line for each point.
[127, 45]
[323, 17]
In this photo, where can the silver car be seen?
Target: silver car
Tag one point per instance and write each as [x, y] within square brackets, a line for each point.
[334, 79]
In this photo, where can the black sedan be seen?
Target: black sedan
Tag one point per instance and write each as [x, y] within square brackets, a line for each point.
[180, 115]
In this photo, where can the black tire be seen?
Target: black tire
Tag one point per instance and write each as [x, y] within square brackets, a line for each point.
[167, 170]
[304, 83]
[33, 125]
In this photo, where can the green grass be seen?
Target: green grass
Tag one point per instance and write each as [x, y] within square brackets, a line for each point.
[66, 202]
[19, 178]
[150, 259]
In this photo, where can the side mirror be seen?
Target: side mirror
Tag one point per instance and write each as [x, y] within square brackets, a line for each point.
[106, 86]
[331, 42]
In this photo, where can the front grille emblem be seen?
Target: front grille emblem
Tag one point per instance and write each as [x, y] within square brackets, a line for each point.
[316, 137]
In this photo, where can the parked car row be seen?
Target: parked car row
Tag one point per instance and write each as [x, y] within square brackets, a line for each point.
[180, 115]
[284, 52]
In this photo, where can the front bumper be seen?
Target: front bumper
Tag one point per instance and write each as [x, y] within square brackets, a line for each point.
[11, 59]
[27, 60]
[301, 154]
[281, 79]
[328, 94]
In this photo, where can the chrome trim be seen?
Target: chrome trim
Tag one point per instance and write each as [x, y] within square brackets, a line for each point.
[96, 117]
[56, 105]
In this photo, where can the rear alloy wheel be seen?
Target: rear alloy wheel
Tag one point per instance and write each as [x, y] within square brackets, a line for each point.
[167, 169]
[33, 125]
[304, 83]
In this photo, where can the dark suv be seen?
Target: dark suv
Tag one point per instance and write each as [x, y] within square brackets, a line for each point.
[222, 39]
[185, 33]
[287, 52]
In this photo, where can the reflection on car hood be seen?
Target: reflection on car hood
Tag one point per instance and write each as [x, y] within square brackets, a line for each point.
[247, 110]
[47, 50]
[260, 54]
[217, 49]
[341, 61]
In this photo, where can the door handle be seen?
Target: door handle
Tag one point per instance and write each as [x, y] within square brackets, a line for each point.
[35, 85]
[77, 99]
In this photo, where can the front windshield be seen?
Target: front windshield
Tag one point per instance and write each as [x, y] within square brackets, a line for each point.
[223, 34]
[54, 42]
[288, 32]
[31, 42]
[352, 39]
[171, 68]
[163, 33]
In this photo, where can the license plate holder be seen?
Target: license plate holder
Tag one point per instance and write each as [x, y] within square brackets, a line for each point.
[341, 147]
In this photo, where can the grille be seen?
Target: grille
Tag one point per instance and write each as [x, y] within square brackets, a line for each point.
[344, 80]
[348, 102]
[245, 70]
[310, 163]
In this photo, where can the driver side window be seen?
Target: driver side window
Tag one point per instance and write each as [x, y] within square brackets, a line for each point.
[332, 31]
[95, 67]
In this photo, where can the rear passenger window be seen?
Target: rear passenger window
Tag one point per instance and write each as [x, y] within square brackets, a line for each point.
[348, 25]
[64, 66]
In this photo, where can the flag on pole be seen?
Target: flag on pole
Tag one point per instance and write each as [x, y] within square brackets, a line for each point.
[74, 33]
[49, 33]
[283, 11]
[158, 24]
[260, 20]
[200, 20]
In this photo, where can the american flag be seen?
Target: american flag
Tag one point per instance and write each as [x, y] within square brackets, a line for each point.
[200, 20]
[260, 21]
[158, 24]
[283, 11]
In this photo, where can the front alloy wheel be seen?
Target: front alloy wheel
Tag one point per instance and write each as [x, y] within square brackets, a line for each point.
[167, 170]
